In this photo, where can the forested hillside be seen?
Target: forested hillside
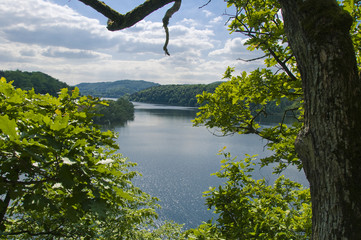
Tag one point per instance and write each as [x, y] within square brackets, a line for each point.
[41, 82]
[114, 89]
[185, 95]
[180, 95]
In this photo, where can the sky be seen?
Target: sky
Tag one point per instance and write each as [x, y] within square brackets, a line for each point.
[69, 41]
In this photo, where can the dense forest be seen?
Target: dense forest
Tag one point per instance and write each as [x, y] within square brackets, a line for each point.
[114, 89]
[179, 95]
[41, 82]
[116, 112]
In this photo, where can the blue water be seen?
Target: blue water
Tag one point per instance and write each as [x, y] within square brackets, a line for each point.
[177, 159]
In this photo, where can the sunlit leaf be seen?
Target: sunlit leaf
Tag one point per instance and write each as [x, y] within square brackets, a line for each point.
[8, 126]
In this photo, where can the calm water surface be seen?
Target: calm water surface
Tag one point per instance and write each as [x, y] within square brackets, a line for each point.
[176, 159]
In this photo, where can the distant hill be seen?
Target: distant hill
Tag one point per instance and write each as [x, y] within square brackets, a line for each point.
[114, 89]
[41, 82]
[181, 95]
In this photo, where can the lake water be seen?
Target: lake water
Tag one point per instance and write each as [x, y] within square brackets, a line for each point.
[177, 159]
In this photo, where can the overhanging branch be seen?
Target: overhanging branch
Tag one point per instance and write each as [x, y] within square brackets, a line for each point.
[118, 21]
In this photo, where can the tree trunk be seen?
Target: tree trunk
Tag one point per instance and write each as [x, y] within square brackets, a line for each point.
[330, 143]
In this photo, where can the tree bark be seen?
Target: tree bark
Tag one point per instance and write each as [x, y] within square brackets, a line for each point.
[330, 143]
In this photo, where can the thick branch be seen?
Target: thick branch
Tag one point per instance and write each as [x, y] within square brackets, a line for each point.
[104, 9]
[119, 21]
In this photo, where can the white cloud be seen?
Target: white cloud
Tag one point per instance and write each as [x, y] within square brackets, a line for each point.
[188, 22]
[38, 35]
[43, 23]
[231, 47]
[216, 20]
[207, 13]
[235, 49]
[59, 52]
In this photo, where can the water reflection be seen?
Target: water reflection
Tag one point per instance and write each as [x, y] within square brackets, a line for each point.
[177, 160]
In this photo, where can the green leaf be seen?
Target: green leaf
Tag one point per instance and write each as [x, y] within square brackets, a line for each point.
[122, 194]
[60, 123]
[8, 127]
[348, 5]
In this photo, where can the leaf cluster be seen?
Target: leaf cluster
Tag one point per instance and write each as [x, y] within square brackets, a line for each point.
[237, 105]
[60, 176]
[252, 209]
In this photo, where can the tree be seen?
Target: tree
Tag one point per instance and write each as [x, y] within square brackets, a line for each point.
[60, 176]
[316, 45]
[328, 144]
[321, 52]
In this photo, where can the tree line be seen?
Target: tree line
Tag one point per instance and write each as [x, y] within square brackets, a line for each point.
[178, 95]
[114, 89]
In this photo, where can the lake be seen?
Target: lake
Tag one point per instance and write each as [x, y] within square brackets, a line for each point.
[177, 159]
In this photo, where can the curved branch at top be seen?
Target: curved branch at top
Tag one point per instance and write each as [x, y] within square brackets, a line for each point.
[118, 21]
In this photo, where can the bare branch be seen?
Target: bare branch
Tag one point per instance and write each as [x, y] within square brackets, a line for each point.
[205, 4]
[166, 18]
[284, 116]
[282, 64]
[253, 59]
